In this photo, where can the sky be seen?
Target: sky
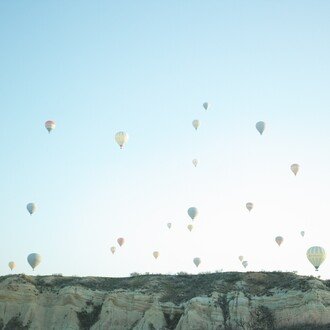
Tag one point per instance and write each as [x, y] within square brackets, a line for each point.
[146, 67]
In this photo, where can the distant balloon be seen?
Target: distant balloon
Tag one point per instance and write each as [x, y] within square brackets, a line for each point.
[113, 249]
[120, 241]
[34, 260]
[279, 240]
[260, 126]
[50, 125]
[195, 162]
[295, 168]
[155, 254]
[190, 227]
[193, 212]
[249, 206]
[206, 105]
[169, 225]
[196, 123]
[12, 265]
[31, 207]
[197, 261]
[240, 258]
[245, 263]
[316, 255]
[302, 233]
[121, 138]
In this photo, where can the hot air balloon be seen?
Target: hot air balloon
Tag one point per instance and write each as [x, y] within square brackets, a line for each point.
[31, 207]
[197, 261]
[50, 125]
[192, 212]
[120, 241]
[169, 225]
[279, 240]
[12, 265]
[196, 123]
[155, 254]
[121, 138]
[34, 260]
[260, 126]
[190, 227]
[206, 105]
[113, 249]
[240, 258]
[302, 233]
[195, 162]
[294, 168]
[245, 263]
[316, 255]
[249, 206]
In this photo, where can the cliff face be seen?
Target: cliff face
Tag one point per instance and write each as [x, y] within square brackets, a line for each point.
[209, 301]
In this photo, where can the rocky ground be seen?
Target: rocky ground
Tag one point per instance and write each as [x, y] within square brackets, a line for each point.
[249, 300]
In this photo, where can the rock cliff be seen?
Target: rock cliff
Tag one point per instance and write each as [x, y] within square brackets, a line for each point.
[144, 302]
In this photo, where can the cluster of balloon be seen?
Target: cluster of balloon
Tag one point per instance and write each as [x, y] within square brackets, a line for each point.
[31, 207]
[279, 240]
[12, 265]
[316, 255]
[121, 138]
[155, 254]
[197, 261]
[249, 206]
[34, 260]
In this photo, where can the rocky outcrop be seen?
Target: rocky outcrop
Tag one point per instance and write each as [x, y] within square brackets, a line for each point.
[143, 302]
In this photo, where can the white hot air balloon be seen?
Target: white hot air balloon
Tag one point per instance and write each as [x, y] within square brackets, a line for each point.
[245, 263]
[279, 240]
[302, 233]
[206, 105]
[294, 168]
[195, 162]
[31, 207]
[192, 212]
[197, 261]
[113, 249]
[240, 258]
[169, 225]
[316, 255]
[34, 260]
[50, 125]
[260, 126]
[155, 254]
[190, 227]
[12, 265]
[121, 138]
[249, 206]
[196, 123]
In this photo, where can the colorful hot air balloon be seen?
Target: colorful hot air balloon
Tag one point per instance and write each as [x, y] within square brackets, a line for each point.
[120, 241]
[302, 233]
[316, 255]
[245, 263]
[294, 168]
[155, 254]
[34, 260]
[31, 207]
[249, 206]
[240, 258]
[12, 265]
[169, 225]
[260, 126]
[206, 105]
[113, 249]
[121, 138]
[195, 162]
[190, 227]
[192, 212]
[50, 125]
[279, 240]
[196, 123]
[197, 261]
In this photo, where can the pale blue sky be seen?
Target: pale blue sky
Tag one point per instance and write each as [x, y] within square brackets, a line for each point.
[146, 67]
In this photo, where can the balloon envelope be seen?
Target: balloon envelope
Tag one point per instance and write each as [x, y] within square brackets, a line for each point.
[302, 233]
[121, 138]
[260, 126]
[120, 241]
[50, 125]
[113, 249]
[294, 168]
[245, 263]
[197, 261]
[31, 207]
[155, 254]
[196, 123]
[12, 265]
[206, 105]
[195, 162]
[34, 260]
[279, 240]
[190, 227]
[316, 255]
[240, 258]
[169, 225]
[249, 206]
[192, 212]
